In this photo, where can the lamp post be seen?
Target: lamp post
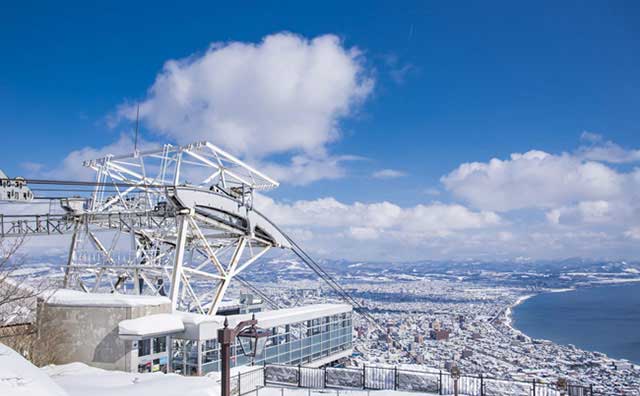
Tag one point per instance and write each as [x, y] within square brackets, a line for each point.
[252, 341]
[561, 384]
[455, 375]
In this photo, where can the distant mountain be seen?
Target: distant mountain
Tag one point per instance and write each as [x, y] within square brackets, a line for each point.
[287, 266]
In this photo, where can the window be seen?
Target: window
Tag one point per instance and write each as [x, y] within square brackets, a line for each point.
[144, 347]
[159, 344]
[295, 331]
[211, 356]
[163, 364]
[211, 345]
[315, 327]
[144, 367]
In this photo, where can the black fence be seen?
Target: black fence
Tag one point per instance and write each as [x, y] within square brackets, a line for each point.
[394, 378]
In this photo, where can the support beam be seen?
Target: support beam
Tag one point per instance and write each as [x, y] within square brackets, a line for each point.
[72, 254]
[222, 287]
[179, 257]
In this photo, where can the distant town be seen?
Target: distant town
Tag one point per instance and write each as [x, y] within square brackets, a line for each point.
[434, 314]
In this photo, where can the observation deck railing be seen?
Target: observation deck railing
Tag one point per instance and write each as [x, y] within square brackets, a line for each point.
[435, 382]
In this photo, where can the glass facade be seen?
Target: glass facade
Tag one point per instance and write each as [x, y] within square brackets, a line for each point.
[294, 343]
[152, 355]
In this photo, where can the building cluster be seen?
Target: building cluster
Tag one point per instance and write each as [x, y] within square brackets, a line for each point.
[433, 323]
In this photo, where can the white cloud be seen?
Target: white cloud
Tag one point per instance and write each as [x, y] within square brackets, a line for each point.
[535, 179]
[606, 151]
[583, 212]
[362, 219]
[303, 170]
[382, 230]
[591, 137]
[284, 94]
[556, 205]
[633, 233]
[364, 233]
[388, 174]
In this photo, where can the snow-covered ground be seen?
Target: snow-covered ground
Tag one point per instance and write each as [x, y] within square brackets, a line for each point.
[18, 377]
[78, 379]
[21, 378]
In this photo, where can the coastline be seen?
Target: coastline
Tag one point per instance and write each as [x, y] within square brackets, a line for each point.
[508, 312]
[508, 319]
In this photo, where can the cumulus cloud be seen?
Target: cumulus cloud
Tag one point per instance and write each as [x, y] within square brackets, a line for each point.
[583, 212]
[276, 104]
[580, 203]
[535, 179]
[388, 174]
[286, 93]
[384, 230]
[370, 220]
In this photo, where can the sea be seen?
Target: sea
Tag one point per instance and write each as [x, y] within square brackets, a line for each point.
[603, 318]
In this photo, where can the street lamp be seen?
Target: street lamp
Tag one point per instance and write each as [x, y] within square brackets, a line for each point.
[561, 384]
[252, 341]
[455, 375]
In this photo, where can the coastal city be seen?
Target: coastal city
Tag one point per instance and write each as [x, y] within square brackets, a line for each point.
[435, 320]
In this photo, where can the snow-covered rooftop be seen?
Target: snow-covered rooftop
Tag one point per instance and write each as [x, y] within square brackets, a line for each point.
[151, 325]
[77, 298]
[292, 315]
[204, 327]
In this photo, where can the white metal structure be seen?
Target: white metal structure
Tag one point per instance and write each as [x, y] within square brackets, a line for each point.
[185, 210]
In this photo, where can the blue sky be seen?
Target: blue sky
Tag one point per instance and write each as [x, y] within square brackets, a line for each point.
[434, 86]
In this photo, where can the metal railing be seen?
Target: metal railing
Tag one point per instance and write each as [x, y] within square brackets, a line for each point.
[392, 378]
[248, 382]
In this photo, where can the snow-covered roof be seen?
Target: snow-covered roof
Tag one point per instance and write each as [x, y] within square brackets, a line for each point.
[151, 325]
[292, 315]
[205, 327]
[189, 318]
[80, 299]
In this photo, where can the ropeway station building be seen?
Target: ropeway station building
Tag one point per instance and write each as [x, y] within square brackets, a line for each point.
[138, 333]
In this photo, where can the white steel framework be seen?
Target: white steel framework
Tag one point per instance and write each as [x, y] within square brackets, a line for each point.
[187, 213]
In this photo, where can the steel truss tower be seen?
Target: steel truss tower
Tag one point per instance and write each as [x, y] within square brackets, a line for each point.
[187, 213]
